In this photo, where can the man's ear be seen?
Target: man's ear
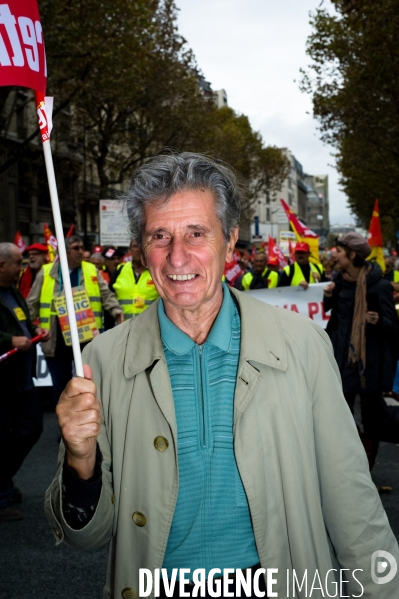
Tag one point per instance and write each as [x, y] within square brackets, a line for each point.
[143, 260]
[231, 244]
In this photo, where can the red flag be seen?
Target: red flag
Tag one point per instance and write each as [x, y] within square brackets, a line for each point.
[19, 242]
[50, 241]
[374, 236]
[22, 53]
[299, 229]
[71, 231]
[303, 233]
[44, 109]
[232, 270]
[275, 251]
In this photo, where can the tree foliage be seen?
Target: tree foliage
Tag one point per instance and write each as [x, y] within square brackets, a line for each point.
[129, 76]
[354, 82]
[262, 170]
[126, 85]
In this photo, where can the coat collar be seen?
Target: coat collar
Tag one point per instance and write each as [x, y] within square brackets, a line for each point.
[262, 338]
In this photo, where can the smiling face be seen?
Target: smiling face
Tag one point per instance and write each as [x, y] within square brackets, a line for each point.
[185, 251]
[36, 259]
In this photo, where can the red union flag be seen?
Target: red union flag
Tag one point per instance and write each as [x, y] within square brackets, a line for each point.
[22, 54]
[275, 252]
[44, 109]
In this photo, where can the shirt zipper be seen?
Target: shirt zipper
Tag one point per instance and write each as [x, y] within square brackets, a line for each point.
[202, 399]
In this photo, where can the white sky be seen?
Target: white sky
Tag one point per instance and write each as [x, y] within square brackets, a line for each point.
[254, 49]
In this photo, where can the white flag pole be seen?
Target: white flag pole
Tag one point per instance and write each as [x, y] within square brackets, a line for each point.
[59, 233]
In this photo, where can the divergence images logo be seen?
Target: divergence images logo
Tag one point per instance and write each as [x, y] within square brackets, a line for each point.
[379, 565]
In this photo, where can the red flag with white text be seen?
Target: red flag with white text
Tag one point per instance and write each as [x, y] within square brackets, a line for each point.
[275, 252]
[22, 53]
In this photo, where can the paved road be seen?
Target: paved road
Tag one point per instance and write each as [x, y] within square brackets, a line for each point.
[31, 565]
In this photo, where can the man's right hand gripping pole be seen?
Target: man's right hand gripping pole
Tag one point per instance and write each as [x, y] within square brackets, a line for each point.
[79, 417]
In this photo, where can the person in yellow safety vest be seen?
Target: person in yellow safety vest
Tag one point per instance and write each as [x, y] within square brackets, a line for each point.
[302, 272]
[133, 285]
[47, 286]
[260, 277]
[391, 274]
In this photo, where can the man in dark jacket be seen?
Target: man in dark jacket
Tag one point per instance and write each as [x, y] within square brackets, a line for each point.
[20, 409]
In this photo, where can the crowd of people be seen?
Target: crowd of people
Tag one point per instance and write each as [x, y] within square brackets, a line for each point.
[120, 287]
[216, 343]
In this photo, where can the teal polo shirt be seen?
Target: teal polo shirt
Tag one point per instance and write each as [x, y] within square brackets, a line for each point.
[211, 527]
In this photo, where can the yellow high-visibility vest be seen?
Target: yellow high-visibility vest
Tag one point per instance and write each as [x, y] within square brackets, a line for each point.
[272, 279]
[46, 309]
[134, 297]
[298, 274]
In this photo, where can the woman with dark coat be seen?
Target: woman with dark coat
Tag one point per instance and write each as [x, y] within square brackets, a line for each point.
[363, 332]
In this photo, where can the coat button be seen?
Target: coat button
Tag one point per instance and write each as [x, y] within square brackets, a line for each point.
[161, 443]
[128, 593]
[139, 519]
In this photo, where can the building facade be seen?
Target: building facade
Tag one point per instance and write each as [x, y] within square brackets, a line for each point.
[306, 195]
[24, 194]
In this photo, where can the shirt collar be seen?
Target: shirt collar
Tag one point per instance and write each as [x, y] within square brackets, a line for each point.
[220, 334]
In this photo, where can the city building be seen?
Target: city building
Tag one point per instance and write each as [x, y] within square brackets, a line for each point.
[220, 98]
[317, 210]
[306, 195]
[25, 199]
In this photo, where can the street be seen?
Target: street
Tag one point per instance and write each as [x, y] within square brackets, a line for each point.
[31, 565]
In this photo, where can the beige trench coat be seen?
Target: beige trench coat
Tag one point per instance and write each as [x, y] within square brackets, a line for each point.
[312, 501]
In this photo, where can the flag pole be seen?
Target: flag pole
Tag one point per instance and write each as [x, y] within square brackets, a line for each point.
[59, 233]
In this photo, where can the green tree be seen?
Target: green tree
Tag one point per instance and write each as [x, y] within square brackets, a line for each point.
[354, 83]
[129, 76]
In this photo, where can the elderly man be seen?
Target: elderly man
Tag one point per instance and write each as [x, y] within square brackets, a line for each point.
[20, 408]
[302, 272]
[37, 256]
[211, 431]
[48, 286]
[261, 276]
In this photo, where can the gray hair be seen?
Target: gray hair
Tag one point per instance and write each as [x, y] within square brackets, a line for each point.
[164, 175]
[97, 256]
[72, 239]
[6, 249]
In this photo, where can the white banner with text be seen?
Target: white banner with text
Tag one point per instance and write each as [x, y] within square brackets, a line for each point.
[308, 302]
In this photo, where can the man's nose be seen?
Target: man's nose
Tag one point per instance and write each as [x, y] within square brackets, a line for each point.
[178, 252]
